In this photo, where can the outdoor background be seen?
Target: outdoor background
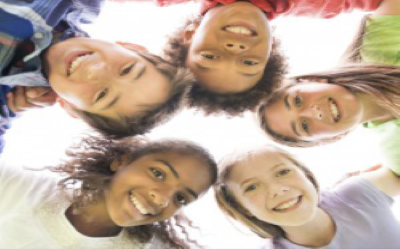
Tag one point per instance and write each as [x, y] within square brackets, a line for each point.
[40, 137]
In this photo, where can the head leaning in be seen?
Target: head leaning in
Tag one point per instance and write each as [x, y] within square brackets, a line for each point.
[320, 108]
[233, 56]
[119, 89]
[138, 186]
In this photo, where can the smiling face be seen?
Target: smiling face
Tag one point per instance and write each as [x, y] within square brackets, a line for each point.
[313, 111]
[230, 48]
[155, 187]
[104, 78]
[273, 189]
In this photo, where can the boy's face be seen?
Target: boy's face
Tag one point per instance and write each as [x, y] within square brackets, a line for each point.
[230, 47]
[104, 78]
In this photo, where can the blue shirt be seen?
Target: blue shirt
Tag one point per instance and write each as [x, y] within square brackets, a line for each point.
[27, 28]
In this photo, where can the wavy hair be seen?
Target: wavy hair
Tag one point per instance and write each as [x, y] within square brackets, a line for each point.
[89, 166]
[379, 82]
[228, 203]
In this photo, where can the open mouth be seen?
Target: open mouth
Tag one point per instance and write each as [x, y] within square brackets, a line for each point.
[242, 30]
[288, 205]
[76, 60]
[139, 205]
[333, 107]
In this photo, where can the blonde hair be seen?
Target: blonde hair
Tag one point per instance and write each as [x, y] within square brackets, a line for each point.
[232, 207]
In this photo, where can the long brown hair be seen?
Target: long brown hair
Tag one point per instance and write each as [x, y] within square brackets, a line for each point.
[380, 82]
[232, 207]
[89, 166]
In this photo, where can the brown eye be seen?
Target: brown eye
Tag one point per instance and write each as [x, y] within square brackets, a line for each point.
[127, 70]
[102, 94]
[209, 56]
[297, 100]
[250, 63]
[250, 188]
[181, 199]
[305, 126]
[157, 173]
[283, 172]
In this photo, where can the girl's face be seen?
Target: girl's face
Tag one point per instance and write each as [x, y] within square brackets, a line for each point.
[274, 190]
[313, 111]
[155, 187]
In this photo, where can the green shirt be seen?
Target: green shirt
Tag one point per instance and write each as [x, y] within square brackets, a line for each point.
[389, 142]
[381, 40]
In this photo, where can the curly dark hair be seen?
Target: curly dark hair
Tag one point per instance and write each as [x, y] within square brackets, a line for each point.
[380, 82]
[180, 80]
[176, 51]
[229, 204]
[89, 165]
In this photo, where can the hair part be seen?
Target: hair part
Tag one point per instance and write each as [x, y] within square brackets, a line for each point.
[380, 82]
[228, 203]
[88, 175]
[180, 81]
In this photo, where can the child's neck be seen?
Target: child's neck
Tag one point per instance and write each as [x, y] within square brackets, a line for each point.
[315, 233]
[93, 220]
[372, 111]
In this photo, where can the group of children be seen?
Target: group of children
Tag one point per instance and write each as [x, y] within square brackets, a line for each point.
[120, 190]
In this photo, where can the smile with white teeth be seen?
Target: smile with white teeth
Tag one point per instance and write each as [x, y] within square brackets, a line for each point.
[138, 205]
[287, 205]
[76, 62]
[334, 110]
[240, 30]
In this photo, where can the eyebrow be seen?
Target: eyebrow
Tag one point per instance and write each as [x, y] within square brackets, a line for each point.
[112, 102]
[292, 124]
[175, 173]
[249, 179]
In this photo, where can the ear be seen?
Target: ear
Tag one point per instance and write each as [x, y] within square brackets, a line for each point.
[131, 46]
[188, 33]
[118, 163]
[68, 107]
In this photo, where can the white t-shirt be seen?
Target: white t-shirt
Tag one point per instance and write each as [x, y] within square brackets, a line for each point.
[32, 215]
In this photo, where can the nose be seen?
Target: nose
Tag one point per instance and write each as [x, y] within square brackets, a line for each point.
[313, 111]
[235, 47]
[96, 71]
[159, 198]
[276, 190]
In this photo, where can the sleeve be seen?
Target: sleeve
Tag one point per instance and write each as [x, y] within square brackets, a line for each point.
[327, 8]
[357, 191]
[389, 144]
[6, 115]
[381, 40]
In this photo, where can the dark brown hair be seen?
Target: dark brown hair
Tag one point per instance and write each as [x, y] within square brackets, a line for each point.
[176, 51]
[231, 207]
[90, 167]
[380, 82]
[180, 80]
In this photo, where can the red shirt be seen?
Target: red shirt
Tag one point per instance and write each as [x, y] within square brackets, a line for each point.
[276, 8]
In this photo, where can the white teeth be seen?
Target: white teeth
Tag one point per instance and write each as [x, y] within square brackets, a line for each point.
[334, 110]
[75, 63]
[287, 204]
[138, 205]
[239, 30]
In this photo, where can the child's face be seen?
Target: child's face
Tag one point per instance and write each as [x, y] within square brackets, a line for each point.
[274, 190]
[230, 47]
[313, 111]
[155, 187]
[104, 78]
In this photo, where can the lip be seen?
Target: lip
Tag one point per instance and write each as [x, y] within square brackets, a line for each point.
[143, 202]
[244, 25]
[338, 108]
[295, 206]
[71, 57]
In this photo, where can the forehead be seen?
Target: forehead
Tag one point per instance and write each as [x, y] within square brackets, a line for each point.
[255, 164]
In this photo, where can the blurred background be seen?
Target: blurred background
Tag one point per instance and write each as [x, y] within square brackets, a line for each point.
[40, 137]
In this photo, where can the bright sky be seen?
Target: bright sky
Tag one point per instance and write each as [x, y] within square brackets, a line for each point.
[40, 137]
